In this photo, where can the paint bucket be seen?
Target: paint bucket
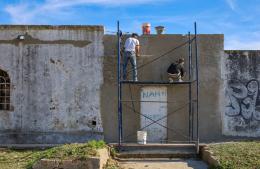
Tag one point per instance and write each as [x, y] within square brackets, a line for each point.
[141, 137]
[146, 28]
[159, 30]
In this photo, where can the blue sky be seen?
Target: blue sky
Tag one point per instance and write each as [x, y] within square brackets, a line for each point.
[239, 20]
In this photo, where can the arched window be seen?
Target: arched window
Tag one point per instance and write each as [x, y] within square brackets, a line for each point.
[4, 91]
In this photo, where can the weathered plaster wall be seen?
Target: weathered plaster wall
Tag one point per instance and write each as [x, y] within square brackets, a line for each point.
[211, 51]
[56, 75]
[63, 82]
[241, 111]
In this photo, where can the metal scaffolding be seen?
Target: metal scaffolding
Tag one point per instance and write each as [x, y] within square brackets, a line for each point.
[193, 103]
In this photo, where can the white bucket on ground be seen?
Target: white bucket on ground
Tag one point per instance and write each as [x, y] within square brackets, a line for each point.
[141, 137]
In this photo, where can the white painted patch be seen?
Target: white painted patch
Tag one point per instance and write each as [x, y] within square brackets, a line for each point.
[155, 111]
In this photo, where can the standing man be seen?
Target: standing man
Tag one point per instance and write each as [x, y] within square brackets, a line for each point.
[132, 50]
[176, 71]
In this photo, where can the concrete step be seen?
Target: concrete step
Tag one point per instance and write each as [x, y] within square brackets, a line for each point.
[145, 159]
[128, 151]
[164, 164]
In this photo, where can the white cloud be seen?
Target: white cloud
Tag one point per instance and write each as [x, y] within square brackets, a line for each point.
[243, 40]
[28, 13]
[232, 4]
[240, 44]
[19, 13]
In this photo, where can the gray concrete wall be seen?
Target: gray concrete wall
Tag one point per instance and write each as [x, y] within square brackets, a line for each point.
[56, 75]
[64, 86]
[241, 111]
[211, 51]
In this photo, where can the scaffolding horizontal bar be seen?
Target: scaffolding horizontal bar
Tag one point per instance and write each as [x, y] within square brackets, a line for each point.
[154, 101]
[156, 83]
[180, 142]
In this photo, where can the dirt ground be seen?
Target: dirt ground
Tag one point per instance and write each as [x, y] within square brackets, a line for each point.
[164, 164]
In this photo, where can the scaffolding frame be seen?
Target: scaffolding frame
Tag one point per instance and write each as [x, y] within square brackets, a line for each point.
[191, 81]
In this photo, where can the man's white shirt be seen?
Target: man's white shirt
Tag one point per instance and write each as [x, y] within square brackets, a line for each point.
[130, 44]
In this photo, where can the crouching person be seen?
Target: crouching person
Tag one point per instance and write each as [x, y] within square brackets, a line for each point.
[176, 71]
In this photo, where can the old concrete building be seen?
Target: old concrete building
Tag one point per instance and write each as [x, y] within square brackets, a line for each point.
[54, 77]
[58, 84]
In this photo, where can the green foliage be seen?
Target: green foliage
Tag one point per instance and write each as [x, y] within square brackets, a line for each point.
[113, 151]
[97, 144]
[112, 164]
[237, 155]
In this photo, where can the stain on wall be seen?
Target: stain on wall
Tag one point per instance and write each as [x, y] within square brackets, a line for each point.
[28, 39]
[241, 115]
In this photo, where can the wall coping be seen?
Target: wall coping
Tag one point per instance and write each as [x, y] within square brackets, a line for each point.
[53, 27]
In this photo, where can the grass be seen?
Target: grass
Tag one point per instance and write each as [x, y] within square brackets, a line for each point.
[13, 159]
[112, 164]
[237, 155]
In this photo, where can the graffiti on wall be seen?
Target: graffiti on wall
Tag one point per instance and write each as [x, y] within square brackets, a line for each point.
[242, 111]
[243, 100]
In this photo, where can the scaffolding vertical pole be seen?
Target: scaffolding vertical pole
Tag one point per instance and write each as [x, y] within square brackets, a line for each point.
[190, 108]
[192, 102]
[119, 86]
[197, 84]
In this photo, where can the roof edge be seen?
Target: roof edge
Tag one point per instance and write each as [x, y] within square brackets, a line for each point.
[54, 27]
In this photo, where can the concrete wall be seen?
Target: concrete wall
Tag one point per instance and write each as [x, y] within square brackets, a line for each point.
[241, 114]
[211, 51]
[56, 75]
[64, 87]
